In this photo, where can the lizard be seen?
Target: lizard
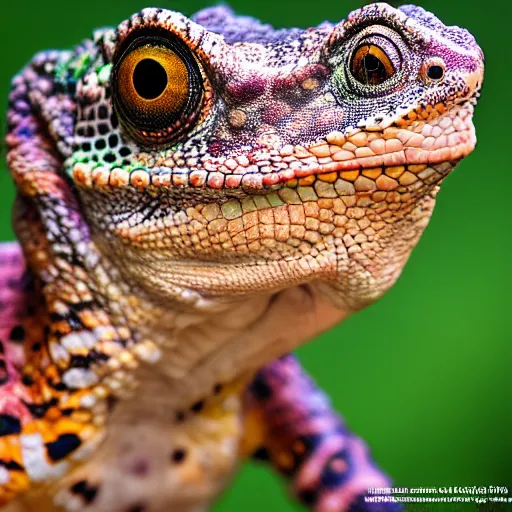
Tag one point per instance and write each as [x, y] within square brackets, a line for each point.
[197, 197]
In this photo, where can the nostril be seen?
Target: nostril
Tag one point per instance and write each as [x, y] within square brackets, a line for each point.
[435, 72]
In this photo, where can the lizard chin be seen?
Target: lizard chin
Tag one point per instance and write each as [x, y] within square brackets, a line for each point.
[337, 271]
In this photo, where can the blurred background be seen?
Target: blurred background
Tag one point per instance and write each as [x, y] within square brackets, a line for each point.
[424, 376]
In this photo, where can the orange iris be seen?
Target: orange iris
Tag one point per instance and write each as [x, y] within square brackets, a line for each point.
[152, 81]
[371, 66]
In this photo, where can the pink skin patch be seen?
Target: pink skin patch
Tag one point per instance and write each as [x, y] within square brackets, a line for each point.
[329, 467]
[15, 306]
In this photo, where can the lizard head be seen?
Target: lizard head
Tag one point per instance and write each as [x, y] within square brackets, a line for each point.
[219, 156]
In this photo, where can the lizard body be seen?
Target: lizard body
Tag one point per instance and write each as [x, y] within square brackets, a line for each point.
[196, 198]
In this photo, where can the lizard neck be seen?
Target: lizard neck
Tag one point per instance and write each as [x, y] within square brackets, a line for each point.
[107, 333]
[121, 314]
[213, 341]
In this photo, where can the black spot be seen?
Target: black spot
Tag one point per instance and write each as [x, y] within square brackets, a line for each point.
[86, 146]
[17, 334]
[124, 151]
[82, 306]
[100, 144]
[217, 388]
[11, 465]
[109, 157]
[113, 140]
[1, 348]
[261, 454]
[79, 361]
[27, 380]
[114, 121]
[180, 416]
[197, 407]
[308, 497]
[71, 86]
[88, 492]
[178, 455]
[68, 411]
[74, 321]
[36, 347]
[63, 446]
[9, 425]
[435, 72]
[90, 131]
[39, 410]
[260, 388]
[103, 129]
[58, 386]
[102, 112]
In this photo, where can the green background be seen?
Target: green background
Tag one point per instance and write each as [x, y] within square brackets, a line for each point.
[424, 375]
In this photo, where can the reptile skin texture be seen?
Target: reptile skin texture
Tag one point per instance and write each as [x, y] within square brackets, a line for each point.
[195, 199]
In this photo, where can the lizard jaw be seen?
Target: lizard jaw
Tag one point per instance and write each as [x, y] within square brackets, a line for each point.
[369, 214]
[428, 137]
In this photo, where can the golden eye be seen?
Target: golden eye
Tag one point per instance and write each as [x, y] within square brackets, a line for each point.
[158, 90]
[370, 65]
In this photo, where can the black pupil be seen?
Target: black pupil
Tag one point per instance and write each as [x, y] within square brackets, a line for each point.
[149, 79]
[371, 71]
[371, 63]
[435, 72]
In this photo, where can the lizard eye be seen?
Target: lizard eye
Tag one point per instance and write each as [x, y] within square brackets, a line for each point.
[158, 89]
[370, 65]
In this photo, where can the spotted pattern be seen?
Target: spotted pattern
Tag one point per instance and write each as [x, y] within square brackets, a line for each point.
[153, 278]
[328, 467]
[34, 406]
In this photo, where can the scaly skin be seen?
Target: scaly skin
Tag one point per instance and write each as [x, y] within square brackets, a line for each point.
[179, 235]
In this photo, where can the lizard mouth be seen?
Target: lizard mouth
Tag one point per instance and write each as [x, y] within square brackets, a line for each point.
[395, 152]
[430, 142]
[389, 157]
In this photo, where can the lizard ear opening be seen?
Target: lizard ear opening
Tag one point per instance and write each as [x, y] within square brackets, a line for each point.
[158, 89]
